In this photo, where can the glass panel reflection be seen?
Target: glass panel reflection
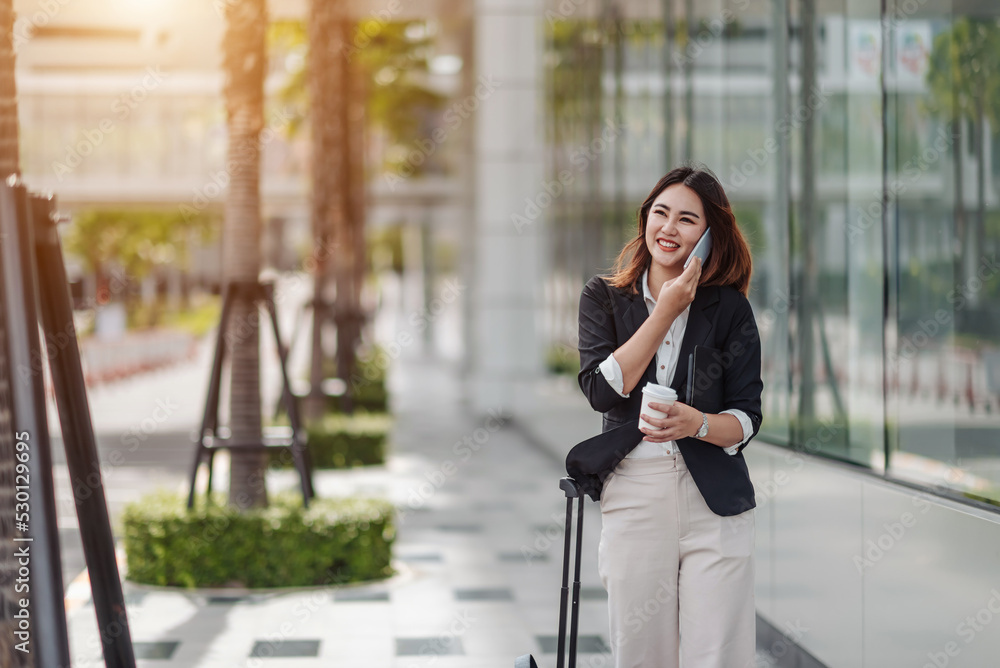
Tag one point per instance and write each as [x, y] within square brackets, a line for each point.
[861, 152]
[943, 352]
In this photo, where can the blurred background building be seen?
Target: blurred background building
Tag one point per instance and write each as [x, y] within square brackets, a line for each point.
[858, 141]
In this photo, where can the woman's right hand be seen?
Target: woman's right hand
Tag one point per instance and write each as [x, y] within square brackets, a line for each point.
[675, 295]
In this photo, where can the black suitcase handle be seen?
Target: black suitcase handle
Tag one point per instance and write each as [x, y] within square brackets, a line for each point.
[572, 491]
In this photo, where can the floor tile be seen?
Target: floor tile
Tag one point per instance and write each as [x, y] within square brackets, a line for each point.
[162, 649]
[429, 647]
[483, 595]
[585, 644]
[265, 649]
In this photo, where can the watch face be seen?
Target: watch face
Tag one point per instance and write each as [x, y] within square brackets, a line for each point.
[704, 426]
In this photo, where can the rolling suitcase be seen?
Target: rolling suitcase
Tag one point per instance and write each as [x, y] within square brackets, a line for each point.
[572, 491]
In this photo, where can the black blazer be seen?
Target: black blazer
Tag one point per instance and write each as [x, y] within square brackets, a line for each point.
[721, 318]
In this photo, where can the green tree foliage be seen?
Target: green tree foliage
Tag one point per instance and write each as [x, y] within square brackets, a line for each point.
[964, 82]
[396, 60]
[964, 72]
[137, 240]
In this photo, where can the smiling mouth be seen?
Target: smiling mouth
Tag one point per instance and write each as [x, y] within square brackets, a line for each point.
[667, 245]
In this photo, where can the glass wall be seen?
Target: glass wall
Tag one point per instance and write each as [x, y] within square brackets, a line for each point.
[857, 148]
[943, 333]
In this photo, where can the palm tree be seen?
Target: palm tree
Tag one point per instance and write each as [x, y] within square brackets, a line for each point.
[244, 63]
[962, 77]
[350, 275]
[807, 228]
[325, 83]
[336, 94]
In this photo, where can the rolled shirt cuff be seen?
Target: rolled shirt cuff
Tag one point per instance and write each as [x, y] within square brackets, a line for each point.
[747, 429]
[613, 374]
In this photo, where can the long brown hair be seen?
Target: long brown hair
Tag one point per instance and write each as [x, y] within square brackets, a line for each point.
[729, 263]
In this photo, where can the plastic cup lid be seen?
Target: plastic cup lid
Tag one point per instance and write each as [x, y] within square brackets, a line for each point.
[660, 391]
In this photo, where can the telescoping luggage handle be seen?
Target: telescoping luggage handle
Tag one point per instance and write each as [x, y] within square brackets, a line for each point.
[572, 491]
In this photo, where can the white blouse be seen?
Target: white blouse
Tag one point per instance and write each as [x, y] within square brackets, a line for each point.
[666, 365]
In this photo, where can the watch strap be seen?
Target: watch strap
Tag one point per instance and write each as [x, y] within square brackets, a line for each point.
[703, 432]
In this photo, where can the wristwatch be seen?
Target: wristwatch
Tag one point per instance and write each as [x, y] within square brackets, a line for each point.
[703, 432]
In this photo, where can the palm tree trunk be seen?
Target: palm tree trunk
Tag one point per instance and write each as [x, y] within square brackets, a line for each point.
[9, 156]
[979, 235]
[808, 226]
[688, 69]
[353, 255]
[342, 232]
[326, 91]
[958, 245]
[244, 61]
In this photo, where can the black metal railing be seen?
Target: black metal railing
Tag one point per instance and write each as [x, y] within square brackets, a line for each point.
[34, 293]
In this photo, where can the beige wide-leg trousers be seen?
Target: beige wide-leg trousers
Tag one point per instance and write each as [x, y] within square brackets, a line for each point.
[680, 579]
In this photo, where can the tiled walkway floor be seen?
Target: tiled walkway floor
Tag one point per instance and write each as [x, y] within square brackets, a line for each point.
[478, 557]
[479, 561]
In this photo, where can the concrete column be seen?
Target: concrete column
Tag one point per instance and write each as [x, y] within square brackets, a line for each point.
[505, 356]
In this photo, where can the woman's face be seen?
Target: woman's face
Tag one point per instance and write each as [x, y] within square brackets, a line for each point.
[676, 221]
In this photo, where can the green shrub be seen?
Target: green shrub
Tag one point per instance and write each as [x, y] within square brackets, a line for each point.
[200, 319]
[562, 359]
[333, 541]
[367, 384]
[367, 396]
[341, 441]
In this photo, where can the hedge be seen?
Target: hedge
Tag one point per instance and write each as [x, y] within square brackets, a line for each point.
[367, 384]
[367, 397]
[334, 541]
[342, 441]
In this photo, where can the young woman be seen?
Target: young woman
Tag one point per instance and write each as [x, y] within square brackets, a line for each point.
[676, 551]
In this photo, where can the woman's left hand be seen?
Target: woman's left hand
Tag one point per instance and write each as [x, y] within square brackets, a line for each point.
[682, 421]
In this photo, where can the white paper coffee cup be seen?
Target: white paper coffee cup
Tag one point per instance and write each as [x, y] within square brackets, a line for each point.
[660, 394]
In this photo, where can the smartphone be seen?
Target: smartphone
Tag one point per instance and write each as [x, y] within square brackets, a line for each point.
[701, 249]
